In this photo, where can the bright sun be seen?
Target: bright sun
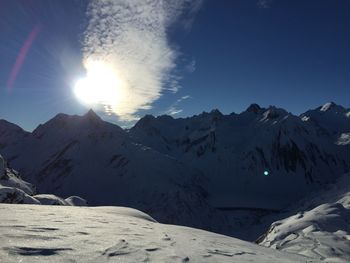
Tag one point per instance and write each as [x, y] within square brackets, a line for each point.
[100, 86]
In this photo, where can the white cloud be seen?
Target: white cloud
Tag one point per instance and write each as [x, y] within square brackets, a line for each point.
[191, 67]
[132, 36]
[192, 8]
[173, 109]
[184, 98]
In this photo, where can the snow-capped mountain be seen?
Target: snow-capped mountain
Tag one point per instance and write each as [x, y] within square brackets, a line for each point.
[331, 118]
[260, 158]
[201, 171]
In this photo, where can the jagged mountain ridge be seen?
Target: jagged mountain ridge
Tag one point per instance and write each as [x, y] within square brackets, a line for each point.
[332, 118]
[179, 170]
[234, 151]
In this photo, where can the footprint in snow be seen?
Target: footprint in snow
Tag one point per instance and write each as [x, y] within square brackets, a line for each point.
[151, 249]
[121, 248]
[228, 253]
[166, 238]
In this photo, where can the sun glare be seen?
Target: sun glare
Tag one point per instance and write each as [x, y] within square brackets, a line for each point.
[100, 86]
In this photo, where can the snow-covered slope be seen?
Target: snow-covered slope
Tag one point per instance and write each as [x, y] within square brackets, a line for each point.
[331, 118]
[320, 227]
[116, 234]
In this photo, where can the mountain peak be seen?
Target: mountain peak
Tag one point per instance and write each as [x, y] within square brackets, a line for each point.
[273, 112]
[92, 115]
[255, 108]
[328, 106]
[145, 120]
[332, 107]
[216, 112]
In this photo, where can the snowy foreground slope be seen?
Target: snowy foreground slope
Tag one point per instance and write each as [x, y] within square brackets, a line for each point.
[32, 233]
[320, 227]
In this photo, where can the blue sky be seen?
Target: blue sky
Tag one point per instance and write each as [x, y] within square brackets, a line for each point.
[225, 54]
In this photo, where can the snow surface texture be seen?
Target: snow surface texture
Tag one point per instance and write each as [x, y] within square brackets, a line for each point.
[30, 233]
[16, 191]
[321, 230]
[344, 139]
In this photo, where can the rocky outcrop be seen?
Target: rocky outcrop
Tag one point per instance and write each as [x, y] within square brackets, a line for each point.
[14, 190]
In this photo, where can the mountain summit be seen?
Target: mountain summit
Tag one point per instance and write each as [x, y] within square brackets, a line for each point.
[255, 108]
[91, 115]
[331, 106]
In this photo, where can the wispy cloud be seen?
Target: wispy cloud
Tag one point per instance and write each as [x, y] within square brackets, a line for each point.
[190, 13]
[191, 67]
[132, 36]
[183, 98]
[174, 109]
[264, 3]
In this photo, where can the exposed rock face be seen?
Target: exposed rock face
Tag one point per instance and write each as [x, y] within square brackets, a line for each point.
[255, 108]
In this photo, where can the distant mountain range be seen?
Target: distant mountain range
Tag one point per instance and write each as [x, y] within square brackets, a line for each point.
[192, 171]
